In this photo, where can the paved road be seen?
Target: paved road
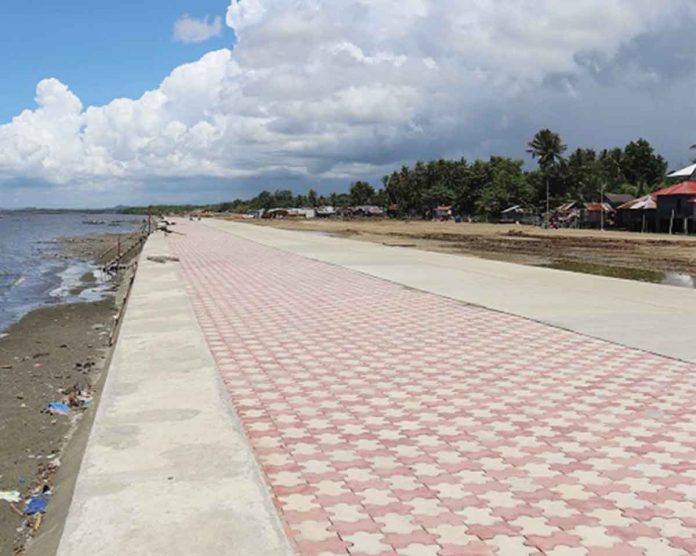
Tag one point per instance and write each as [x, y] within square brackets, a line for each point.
[392, 421]
[650, 317]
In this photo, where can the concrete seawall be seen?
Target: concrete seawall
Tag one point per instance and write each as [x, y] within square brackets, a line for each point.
[167, 469]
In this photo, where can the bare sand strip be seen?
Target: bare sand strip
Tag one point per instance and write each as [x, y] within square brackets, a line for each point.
[167, 469]
[650, 317]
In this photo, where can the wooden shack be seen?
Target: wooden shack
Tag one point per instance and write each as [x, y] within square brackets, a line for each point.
[676, 208]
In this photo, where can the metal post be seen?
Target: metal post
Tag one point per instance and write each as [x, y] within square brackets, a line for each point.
[548, 202]
[601, 207]
[671, 222]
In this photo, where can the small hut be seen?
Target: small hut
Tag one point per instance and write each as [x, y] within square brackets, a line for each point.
[518, 214]
[443, 212]
[595, 215]
[638, 215]
[676, 209]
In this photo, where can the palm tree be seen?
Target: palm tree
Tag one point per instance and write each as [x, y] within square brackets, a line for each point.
[547, 147]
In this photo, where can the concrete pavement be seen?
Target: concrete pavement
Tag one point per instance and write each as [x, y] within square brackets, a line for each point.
[167, 469]
[654, 318]
[389, 420]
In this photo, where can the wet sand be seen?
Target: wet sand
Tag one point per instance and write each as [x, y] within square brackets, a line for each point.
[48, 353]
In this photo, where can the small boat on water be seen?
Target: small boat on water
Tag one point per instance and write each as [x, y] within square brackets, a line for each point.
[93, 222]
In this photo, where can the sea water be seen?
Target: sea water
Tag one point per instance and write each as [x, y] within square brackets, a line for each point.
[33, 272]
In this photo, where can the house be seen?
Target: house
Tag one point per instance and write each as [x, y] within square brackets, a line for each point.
[638, 215]
[676, 208]
[443, 212]
[393, 211]
[275, 213]
[567, 215]
[325, 212]
[683, 174]
[578, 214]
[369, 211]
[306, 212]
[345, 212]
[253, 214]
[519, 215]
[596, 215]
[617, 199]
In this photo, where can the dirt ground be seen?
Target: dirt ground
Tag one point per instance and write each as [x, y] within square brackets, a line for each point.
[644, 253]
[43, 357]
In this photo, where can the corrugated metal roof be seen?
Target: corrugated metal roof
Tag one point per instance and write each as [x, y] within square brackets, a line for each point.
[644, 203]
[619, 198]
[599, 207]
[684, 172]
[566, 207]
[682, 188]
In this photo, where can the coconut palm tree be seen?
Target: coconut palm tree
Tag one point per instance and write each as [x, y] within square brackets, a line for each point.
[548, 148]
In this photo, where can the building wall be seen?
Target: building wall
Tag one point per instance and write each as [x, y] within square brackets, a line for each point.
[684, 213]
[677, 203]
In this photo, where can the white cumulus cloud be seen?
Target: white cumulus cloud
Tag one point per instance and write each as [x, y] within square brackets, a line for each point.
[341, 89]
[191, 30]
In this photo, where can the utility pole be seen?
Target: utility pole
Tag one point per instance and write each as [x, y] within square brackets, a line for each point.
[601, 206]
[548, 202]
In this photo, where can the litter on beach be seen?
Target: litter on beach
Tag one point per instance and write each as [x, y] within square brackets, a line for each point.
[79, 397]
[36, 505]
[11, 496]
[58, 408]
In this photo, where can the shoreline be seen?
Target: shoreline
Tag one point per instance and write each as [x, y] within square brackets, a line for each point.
[48, 354]
[79, 275]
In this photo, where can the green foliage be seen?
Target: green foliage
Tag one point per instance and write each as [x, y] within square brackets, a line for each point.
[641, 165]
[547, 147]
[361, 193]
[482, 188]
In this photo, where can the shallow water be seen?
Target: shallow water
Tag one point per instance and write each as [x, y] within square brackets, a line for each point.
[679, 279]
[31, 274]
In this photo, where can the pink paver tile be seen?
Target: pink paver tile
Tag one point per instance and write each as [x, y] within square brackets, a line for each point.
[391, 421]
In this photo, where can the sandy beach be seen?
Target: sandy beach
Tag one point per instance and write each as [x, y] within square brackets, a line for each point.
[614, 253]
[45, 357]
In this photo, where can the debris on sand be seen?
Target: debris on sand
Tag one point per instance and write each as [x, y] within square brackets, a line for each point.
[11, 496]
[36, 505]
[58, 408]
[35, 501]
[163, 259]
[76, 398]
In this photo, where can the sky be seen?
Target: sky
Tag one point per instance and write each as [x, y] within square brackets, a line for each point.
[166, 101]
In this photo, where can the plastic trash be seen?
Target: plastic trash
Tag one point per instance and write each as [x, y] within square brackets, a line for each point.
[10, 496]
[58, 408]
[35, 506]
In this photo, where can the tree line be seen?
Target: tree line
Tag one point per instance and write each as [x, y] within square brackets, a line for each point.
[483, 188]
[486, 187]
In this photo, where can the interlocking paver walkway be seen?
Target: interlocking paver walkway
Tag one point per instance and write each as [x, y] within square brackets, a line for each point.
[391, 421]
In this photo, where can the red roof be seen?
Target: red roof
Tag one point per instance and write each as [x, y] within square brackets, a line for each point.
[598, 207]
[683, 188]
